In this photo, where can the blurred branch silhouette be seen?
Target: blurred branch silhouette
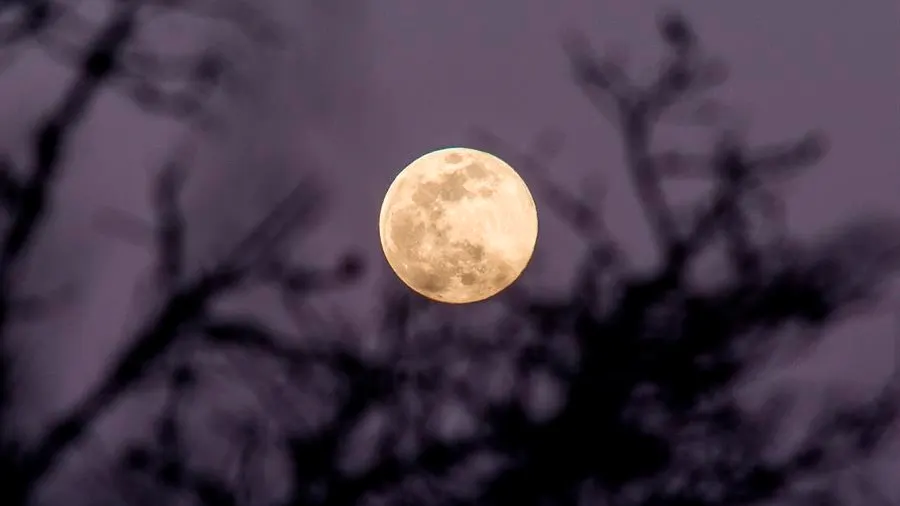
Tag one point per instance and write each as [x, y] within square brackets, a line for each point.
[659, 365]
[114, 55]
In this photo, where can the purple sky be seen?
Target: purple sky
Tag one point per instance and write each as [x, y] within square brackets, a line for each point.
[439, 68]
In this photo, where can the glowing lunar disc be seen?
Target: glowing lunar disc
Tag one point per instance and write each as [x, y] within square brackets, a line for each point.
[458, 225]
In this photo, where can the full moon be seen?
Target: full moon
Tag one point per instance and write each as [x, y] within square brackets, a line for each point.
[458, 225]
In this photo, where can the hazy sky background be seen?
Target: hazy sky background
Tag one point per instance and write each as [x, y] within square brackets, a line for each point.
[409, 76]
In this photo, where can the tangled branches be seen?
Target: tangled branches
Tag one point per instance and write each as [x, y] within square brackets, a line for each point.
[109, 53]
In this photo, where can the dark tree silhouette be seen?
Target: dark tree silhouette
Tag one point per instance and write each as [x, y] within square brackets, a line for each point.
[619, 391]
[113, 55]
[650, 416]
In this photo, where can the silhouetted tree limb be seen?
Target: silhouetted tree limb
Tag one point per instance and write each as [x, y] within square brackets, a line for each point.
[97, 65]
[636, 107]
[27, 192]
[680, 349]
[50, 140]
[184, 308]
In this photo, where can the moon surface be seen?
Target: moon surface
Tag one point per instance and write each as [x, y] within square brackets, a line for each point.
[458, 225]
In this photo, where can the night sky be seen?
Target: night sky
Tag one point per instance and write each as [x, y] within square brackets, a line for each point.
[397, 78]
